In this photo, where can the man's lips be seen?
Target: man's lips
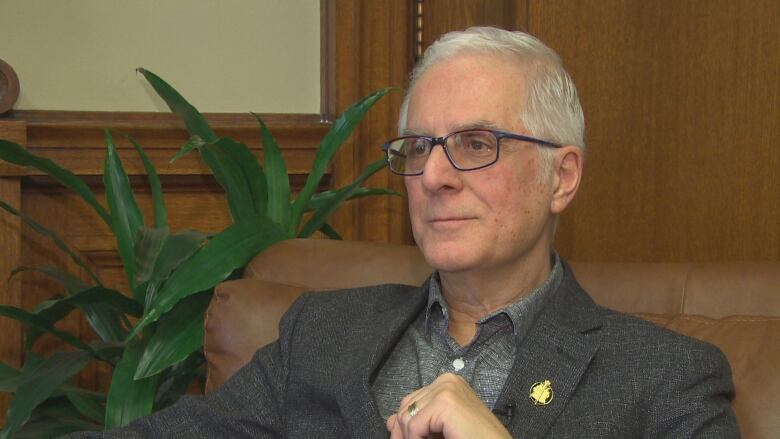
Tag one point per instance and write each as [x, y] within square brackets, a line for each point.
[450, 219]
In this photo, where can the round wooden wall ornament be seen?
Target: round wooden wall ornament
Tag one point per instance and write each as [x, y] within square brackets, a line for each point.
[9, 87]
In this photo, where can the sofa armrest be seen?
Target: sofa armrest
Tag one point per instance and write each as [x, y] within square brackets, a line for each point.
[243, 316]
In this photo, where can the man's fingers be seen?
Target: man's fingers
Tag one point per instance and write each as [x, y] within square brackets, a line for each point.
[390, 424]
[412, 397]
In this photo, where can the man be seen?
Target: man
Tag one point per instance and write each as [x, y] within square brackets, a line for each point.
[501, 341]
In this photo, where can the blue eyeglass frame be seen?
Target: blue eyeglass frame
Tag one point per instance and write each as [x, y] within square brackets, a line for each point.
[442, 141]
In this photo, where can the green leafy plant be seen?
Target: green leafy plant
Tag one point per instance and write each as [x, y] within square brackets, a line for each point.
[171, 275]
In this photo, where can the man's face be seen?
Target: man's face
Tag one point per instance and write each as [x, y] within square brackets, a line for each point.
[484, 220]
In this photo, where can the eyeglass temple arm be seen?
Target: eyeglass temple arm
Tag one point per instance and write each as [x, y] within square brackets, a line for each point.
[531, 139]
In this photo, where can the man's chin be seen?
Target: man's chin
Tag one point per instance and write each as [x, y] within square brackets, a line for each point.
[450, 261]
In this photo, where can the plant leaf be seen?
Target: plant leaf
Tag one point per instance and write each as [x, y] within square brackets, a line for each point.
[102, 318]
[71, 283]
[330, 232]
[193, 143]
[341, 130]
[44, 428]
[31, 361]
[129, 399]
[194, 121]
[88, 407]
[53, 236]
[229, 175]
[327, 197]
[97, 396]
[35, 321]
[251, 173]
[148, 246]
[60, 411]
[127, 219]
[179, 333]
[177, 248]
[323, 212]
[10, 378]
[109, 351]
[52, 313]
[41, 382]
[175, 381]
[277, 179]
[111, 298]
[13, 153]
[43, 425]
[237, 170]
[160, 213]
[228, 250]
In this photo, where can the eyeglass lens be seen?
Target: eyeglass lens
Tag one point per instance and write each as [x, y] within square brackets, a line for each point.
[466, 150]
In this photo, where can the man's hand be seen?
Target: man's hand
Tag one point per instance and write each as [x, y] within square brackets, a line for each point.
[449, 408]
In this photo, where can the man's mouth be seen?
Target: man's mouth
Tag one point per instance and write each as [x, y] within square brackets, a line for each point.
[450, 220]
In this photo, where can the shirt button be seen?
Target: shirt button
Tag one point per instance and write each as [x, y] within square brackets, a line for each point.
[458, 364]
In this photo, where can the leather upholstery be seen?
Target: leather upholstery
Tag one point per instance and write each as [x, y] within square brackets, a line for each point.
[735, 306]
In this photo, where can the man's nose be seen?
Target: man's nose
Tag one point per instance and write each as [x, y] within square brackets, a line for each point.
[438, 171]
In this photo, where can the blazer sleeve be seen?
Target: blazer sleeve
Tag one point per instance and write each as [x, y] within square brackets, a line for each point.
[249, 405]
[695, 399]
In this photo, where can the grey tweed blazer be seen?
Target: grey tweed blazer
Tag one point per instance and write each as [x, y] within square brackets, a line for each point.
[612, 376]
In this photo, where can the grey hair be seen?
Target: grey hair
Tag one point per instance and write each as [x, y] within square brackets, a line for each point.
[552, 111]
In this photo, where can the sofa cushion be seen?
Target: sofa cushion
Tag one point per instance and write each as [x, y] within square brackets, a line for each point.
[721, 289]
[330, 264]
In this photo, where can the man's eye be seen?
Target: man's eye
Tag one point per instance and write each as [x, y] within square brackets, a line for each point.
[420, 147]
[476, 145]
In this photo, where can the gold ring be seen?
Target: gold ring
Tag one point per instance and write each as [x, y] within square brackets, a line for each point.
[413, 409]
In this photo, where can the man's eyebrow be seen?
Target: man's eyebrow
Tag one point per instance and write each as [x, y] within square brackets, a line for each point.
[477, 125]
[412, 132]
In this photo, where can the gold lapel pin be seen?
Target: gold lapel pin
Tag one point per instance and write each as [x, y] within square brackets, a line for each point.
[541, 392]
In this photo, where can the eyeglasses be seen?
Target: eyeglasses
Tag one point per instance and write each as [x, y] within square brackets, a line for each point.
[467, 150]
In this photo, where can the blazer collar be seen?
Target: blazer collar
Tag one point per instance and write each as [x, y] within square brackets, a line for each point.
[556, 350]
[379, 332]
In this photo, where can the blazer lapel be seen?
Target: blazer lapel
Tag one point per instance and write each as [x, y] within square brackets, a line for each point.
[376, 334]
[555, 350]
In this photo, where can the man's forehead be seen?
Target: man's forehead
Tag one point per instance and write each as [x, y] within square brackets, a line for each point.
[470, 90]
[457, 126]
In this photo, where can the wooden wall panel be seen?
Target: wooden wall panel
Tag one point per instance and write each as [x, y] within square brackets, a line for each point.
[10, 258]
[681, 103]
[683, 113]
[373, 51]
[442, 16]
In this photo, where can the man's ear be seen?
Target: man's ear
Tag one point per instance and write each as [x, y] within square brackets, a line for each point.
[567, 173]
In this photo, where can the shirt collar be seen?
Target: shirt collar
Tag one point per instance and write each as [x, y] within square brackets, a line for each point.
[522, 313]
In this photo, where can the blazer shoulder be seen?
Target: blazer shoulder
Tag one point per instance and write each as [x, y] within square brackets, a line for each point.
[352, 299]
[657, 345]
[339, 312]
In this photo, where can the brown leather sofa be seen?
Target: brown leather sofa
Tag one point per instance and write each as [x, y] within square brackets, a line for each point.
[735, 306]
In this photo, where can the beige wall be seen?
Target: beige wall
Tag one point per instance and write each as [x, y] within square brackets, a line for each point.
[224, 56]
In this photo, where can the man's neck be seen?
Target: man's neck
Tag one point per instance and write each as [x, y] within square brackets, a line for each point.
[472, 295]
